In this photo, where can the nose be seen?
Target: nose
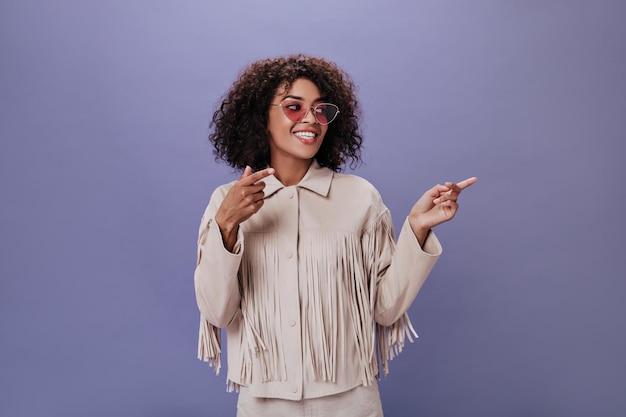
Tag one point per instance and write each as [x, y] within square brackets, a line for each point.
[309, 116]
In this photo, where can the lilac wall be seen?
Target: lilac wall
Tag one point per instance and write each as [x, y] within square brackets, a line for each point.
[105, 171]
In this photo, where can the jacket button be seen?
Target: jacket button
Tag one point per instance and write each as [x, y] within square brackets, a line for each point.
[295, 389]
[292, 323]
[291, 195]
[289, 255]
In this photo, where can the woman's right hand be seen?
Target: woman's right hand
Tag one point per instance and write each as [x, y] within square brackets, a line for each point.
[243, 199]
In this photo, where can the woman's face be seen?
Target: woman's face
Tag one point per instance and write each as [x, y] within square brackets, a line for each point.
[295, 141]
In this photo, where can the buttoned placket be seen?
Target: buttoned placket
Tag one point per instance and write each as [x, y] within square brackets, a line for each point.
[290, 297]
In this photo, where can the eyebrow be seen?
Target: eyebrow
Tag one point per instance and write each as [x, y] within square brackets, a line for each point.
[302, 99]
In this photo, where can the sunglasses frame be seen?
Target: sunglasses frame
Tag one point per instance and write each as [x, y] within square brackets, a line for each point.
[308, 108]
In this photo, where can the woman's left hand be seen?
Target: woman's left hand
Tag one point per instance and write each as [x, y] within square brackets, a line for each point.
[436, 206]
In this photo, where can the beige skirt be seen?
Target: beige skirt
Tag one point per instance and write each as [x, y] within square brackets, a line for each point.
[358, 402]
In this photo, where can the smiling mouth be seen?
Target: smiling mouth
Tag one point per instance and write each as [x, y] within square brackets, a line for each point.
[306, 135]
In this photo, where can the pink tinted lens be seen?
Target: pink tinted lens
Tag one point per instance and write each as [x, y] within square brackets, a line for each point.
[294, 110]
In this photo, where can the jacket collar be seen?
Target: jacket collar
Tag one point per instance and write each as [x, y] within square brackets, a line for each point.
[316, 179]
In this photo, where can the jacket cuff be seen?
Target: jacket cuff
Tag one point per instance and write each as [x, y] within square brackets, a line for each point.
[216, 242]
[432, 246]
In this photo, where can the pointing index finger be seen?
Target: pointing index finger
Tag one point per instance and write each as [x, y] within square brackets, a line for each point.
[257, 176]
[466, 183]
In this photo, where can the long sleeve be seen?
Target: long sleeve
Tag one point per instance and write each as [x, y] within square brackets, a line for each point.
[216, 283]
[396, 272]
[401, 273]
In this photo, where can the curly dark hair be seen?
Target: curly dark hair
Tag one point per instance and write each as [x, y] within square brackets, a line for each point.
[239, 127]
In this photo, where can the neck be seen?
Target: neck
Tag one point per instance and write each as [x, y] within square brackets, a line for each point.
[290, 172]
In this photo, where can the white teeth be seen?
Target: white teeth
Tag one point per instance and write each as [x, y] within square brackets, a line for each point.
[305, 135]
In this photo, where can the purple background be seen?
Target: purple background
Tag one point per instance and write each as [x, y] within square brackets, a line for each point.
[105, 171]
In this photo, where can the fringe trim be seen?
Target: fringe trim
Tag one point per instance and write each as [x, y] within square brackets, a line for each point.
[334, 294]
[209, 344]
[232, 386]
[260, 306]
[391, 340]
[378, 247]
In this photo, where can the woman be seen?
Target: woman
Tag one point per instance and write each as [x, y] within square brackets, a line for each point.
[299, 262]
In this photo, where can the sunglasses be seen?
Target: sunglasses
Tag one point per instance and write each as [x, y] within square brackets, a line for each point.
[296, 110]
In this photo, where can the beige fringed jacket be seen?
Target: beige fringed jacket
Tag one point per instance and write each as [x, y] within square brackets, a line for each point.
[316, 292]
